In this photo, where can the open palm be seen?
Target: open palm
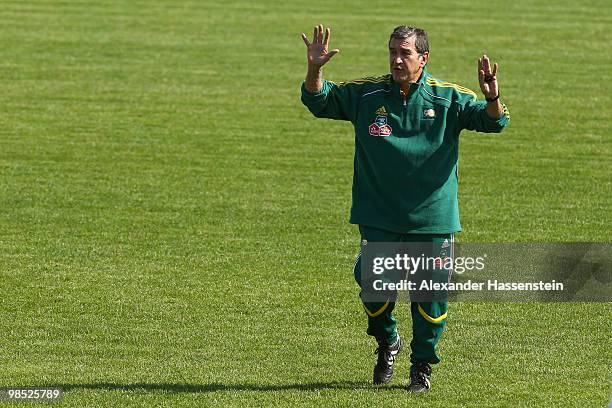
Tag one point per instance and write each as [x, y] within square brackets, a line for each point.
[487, 78]
[318, 50]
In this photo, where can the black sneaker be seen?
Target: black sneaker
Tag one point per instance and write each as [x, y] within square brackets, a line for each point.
[383, 370]
[419, 378]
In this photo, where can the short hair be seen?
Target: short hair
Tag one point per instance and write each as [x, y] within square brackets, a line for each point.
[421, 42]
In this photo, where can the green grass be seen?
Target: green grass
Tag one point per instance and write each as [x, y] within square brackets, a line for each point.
[173, 228]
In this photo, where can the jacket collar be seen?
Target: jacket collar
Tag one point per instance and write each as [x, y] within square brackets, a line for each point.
[395, 87]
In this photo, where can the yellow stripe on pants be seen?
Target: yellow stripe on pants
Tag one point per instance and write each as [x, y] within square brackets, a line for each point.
[430, 319]
[379, 311]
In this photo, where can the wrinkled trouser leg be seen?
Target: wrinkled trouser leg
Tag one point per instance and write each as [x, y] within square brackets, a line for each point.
[429, 318]
[381, 323]
[428, 321]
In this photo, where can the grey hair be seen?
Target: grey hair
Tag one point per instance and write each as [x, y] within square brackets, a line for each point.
[421, 42]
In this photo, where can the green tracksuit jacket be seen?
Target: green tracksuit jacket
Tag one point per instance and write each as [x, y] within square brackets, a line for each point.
[406, 150]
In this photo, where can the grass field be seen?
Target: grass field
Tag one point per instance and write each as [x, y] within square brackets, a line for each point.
[173, 227]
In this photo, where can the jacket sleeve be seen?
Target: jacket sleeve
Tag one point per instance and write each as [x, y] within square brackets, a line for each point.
[333, 101]
[473, 116]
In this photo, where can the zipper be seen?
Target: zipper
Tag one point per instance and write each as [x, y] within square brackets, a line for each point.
[405, 110]
[404, 96]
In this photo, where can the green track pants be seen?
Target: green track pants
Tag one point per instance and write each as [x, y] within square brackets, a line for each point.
[428, 318]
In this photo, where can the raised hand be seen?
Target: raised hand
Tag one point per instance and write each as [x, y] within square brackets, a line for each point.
[318, 50]
[486, 78]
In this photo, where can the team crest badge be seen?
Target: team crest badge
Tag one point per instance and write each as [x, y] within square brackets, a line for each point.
[429, 113]
[380, 126]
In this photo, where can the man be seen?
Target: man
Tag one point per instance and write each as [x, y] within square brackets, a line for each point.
[407, 126]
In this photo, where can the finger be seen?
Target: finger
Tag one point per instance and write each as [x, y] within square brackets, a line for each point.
[485, 65]
[495, 70]
[320, 34]
[327, 34]
[481, 75]
[330, 54]
[314, 34]
[305, 40]
[479, 64]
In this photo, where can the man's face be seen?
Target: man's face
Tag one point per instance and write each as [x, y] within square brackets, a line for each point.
[404, 60]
